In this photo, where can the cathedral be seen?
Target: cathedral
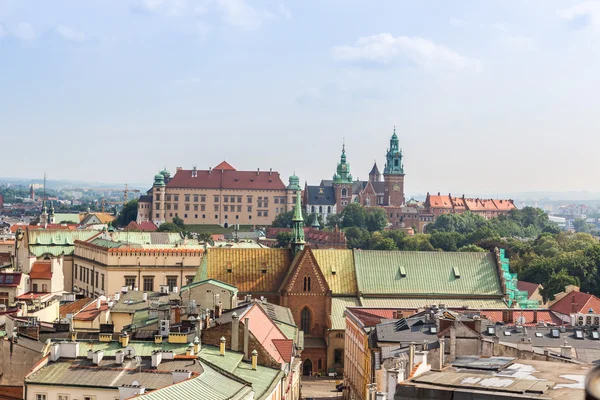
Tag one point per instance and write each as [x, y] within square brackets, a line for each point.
[387, 190]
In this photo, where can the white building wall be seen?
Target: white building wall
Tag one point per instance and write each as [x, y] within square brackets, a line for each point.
[52, 392]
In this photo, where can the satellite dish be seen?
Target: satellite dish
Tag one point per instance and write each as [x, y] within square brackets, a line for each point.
[129, 351]
[521, 320]
[135, 383]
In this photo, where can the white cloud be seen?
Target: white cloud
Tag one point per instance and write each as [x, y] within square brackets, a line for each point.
[285, 12]
[24, 31]
[385, 49]
[457, 22]
[519, 43]
[70, 34]
[589, 10]
[242, 15]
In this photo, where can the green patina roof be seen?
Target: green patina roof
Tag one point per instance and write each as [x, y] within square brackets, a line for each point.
[263, 380]
[427, 273]
[60, 217]
[106, 243]
[202, 273]
[55, 242]
[215, 282]
[420, 302]
[211, 384]
[228, 362]
[338, 306]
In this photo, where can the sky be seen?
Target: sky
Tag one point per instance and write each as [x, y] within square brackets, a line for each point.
[486, 96]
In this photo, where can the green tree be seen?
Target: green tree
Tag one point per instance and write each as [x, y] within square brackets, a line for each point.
[546, 246]
[556, 284]
[379, 242]
[285, 220]
[357, 238]
[580, 225]
[354, 215]
[472, 249]
[447, 241]
[168, 227]
[206, 237]
[418, 242]
[179, 222]
[334, 220]
[284, 239]
[398, 236]
[127, 214]
[376, 219]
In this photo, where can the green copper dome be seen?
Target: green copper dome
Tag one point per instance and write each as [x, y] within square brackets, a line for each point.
[343, 169]
[159, 180]
[294, 183]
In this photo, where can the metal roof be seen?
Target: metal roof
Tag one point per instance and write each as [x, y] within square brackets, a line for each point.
[338, 306]
[422, 302]
[55, 242]
[320, 196]
[215, 282]
[378, 272]
[339, 271]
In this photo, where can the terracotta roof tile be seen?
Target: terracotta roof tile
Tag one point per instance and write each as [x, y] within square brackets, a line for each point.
[528, 287]
[576, 302]
[224, 165]
[542, 316]
[90, 312]
[74, 307]
[285, 347]
[227, 179]
[41, 270]
[10, 279]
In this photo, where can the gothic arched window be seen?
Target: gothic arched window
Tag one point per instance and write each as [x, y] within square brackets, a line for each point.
[320, 209]
[305, 320]
[344, 192]
[328, 209]
[312, 209]
[307, 283]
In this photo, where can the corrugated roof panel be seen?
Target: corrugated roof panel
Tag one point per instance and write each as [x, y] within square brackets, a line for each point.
[427, 273]
[415, 302]
[343, 282]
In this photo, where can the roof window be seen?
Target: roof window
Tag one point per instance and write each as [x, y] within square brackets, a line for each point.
[555, 333]
[579, 334]
[402, 271]
[595, 335]
[456, 272]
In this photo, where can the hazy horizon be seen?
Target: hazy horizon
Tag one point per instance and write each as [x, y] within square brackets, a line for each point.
[487, 97]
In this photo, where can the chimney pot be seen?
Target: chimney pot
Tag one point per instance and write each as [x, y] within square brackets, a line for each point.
[222, 346]
[254, 359]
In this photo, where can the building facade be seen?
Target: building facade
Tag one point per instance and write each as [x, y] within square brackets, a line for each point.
[218, 196]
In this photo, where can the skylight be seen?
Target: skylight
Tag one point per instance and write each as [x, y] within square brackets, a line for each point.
[595, 335]
[402, 271]
[456, 272]
[507, 333]
[555, 333]
[491, 330]
[538, 334]
[579, 334]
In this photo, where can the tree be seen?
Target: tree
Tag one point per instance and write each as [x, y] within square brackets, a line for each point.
[418, 242]
[472, 248]
[376, 219]
[168, 227]
[284, 239]
[354, 215]
[206, 238]
[357, 238]
[546, 246]
[379, 242]
[580, 225]
[334, 220]
[398, 236]
[179, 222]
[127, 214]
[447, 241]
[557, 283]
[285, 220]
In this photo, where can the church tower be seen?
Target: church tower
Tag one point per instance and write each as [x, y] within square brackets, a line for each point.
[158, 203]
[342, 182]
[393, 174]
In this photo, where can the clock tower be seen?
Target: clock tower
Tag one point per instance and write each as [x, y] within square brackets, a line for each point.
[393, 174]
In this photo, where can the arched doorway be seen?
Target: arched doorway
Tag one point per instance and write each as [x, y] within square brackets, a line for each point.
[307, 367]
[225, 225]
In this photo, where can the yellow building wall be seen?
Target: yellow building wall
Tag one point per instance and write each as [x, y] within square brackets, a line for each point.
[357, 361]
[120, 320]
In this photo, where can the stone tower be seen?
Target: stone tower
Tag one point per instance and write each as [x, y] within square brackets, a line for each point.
[293, 191]
[342, 182]
[158, 202]
[393, 174]
[374, 175]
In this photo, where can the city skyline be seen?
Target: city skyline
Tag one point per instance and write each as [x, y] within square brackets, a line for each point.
[483, 100]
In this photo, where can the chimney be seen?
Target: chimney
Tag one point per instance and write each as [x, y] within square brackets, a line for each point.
[254, 359]
[398, 314]
[270, 171]
[246, 337]
[119, 357]
[180, 375]
[258, 171]
[196, 345]
[145, 296]
[158, 339]
[129, 391]
[117, 296]
[235, 332]
[54, 352]
[124, 339]
[156, 358]
[98, 304]
[218, 309]
[441, 352]
[222, 346]
[73, 336]
[565, 350]
[209, 170]
[535, 317]
[411, 356]
[248, 298]
[190, 349]
[97, 357]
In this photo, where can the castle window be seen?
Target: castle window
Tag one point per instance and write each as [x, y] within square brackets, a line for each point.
[312, 209]
[344, 192]
[307, 283]
[328, 209]
[320, 209]
[395, 162]
[305, 320]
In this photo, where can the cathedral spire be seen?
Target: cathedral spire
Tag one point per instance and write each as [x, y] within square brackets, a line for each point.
[342, 174]
[297, 241]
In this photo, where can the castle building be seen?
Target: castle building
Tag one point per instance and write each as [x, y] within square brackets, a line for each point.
[218, 196]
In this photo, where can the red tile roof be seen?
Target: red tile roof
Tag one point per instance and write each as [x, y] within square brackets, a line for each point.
[529, 315]
[225, 165]
[10, 279]
[31, 295]
[285, 347]
[74, 307]
[4, 258]
[576, 302]
[90, 312]
[145, 226]
[227, 179]
[440, 201]
[528, 287]
[41, 270]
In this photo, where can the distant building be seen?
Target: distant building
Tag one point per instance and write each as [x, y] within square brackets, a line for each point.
[221, 195]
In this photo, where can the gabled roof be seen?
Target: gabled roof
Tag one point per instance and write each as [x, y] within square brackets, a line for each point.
[41, 270]
[285, 347]
[91, 312]
[250, 270]
[215, 282]
[576, 302]
[439, 201]
[528, 287]
[146, 226]
[306, 255]
[226, 179]
[398, 273]
[74, 307]
[225, 166]
[374, 170]
[339, 271]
